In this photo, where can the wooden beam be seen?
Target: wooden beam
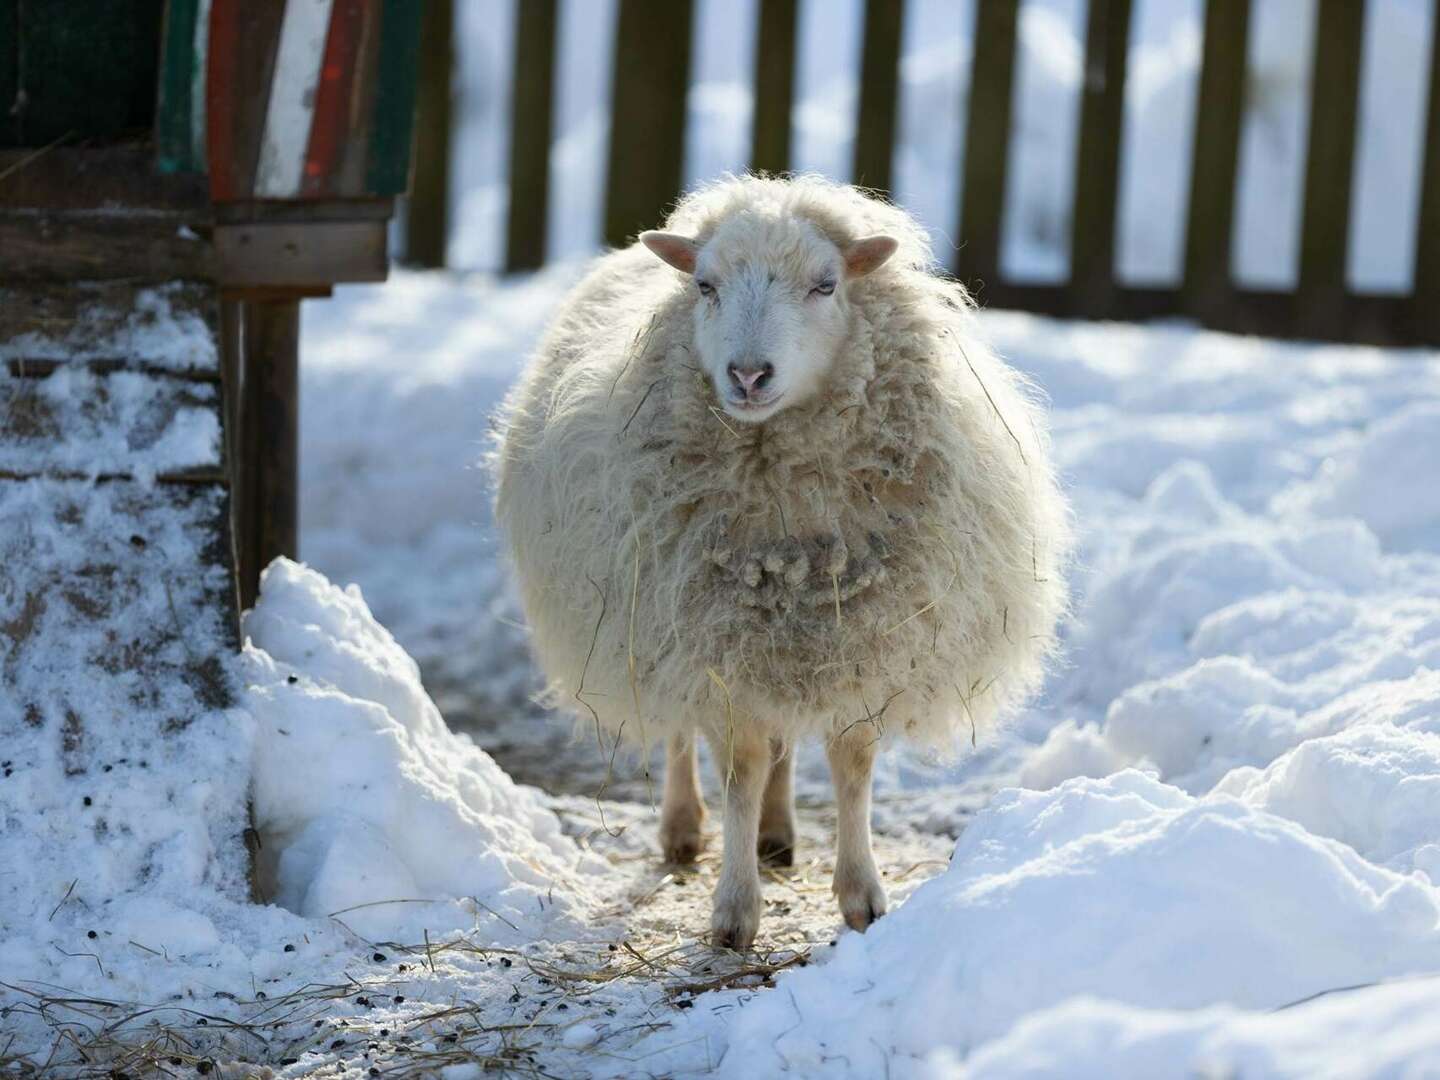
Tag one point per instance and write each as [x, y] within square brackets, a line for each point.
[61, 246]
[269, 442]
[1427, 251]
[532, 109]
[428, 208]
[879, 94]
[301, 255]
[1334, 105]
[987, 144]
[1215, 165]
[1097, 164]
[774, 85]
[647, 145]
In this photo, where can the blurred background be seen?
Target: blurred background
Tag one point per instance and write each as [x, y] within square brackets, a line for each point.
[1313, 143]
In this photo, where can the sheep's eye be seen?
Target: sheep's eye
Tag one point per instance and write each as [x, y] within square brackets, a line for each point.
[825, 288]
[706, 289]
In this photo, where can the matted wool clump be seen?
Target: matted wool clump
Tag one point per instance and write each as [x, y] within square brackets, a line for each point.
[889, 550]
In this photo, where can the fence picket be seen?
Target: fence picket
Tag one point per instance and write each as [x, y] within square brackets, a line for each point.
[1427, 251]
[1097, 163]
[987, 143]
[1330, 159]
[531, 126]
[879, 94]
[774, 85]
[647, 142]
[1215, 165]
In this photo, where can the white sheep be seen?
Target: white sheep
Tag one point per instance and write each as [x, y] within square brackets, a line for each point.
[782, 492]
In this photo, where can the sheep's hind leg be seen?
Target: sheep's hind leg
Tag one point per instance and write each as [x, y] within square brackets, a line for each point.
[744, 761]
[777, 809]
[682, 810]
[857, 882]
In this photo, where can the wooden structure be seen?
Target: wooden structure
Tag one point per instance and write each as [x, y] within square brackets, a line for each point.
[646, 152]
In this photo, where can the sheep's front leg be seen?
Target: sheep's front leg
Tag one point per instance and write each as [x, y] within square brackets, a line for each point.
[682, 809]
[777, 809]
[744, 762]
[857, 882]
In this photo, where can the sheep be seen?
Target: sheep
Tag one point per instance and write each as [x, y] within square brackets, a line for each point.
[770, 485]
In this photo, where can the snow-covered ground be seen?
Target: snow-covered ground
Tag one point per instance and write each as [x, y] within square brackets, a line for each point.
[1226, 803]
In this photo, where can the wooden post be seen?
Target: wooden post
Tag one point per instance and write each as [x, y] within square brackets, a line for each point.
[1097, 164]
[1214, 168]
[647, 135]
[270, 439]
[879, 94]
[987, 143]
[427, 212]
[531, 117]
[1324, 236]
[774, 85]
[1426, 302]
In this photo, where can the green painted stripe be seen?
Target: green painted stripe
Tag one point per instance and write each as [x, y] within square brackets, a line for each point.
[394, 116]
[174, 115]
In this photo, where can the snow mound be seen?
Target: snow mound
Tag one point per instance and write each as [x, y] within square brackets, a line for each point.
[1123, 888]
[1380, 479]
[367, 806]
[1382, 1031]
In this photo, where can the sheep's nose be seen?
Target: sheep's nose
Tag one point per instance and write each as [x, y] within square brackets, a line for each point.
[750, 379]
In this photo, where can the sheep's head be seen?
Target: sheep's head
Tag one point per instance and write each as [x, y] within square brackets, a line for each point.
[771, 312]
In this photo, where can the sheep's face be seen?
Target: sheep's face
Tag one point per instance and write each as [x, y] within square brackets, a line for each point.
[770, 308]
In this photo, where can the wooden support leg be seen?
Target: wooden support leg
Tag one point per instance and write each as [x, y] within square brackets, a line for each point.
[269, 443]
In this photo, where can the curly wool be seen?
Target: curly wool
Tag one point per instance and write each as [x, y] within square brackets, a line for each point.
[890, 551]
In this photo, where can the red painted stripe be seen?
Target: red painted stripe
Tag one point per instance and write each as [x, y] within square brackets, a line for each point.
[220, 103]
[331, 119]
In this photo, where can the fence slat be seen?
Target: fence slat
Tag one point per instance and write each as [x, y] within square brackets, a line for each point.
[987, 144]
[647, 136]
[1215, 165]
[427, 211]
[531, 124]
[1427, 250]
[1334, 98]
[879, 94]
[1097, 163]
[774, 85]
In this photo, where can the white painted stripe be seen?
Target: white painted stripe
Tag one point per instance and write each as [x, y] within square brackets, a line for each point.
[198, 85]
[292, 98]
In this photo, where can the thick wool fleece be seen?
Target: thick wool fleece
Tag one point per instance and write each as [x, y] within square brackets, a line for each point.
[889, 552]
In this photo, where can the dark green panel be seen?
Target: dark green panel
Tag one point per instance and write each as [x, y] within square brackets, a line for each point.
[174, 127]
[86, 68]
[389, 171]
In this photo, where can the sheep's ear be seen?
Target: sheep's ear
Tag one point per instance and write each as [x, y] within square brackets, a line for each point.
[868, 253]
[678, 251]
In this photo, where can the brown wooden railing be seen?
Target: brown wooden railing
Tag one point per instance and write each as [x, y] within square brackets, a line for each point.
[651, 74]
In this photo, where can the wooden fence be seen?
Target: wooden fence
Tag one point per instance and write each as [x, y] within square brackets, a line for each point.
[651, 75]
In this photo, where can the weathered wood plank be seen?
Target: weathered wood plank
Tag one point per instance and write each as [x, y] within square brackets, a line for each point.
[1427, 252]
[987, 144]
[427, 214]
[879, 94]
[647, 149]
[774, 85]
[46, 246]
[1334, 108]
[301, 255]
[269, 440]
[170, 327]
[124, 422]
[1097, 163]
[1215, 166]
[65, 178]
[532, 109]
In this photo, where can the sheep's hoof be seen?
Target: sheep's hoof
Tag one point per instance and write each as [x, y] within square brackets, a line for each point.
[777, 849]
[861, 904]
[681, 842]
[736, 919]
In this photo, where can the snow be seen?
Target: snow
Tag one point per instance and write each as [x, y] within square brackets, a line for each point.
[1228, 799]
